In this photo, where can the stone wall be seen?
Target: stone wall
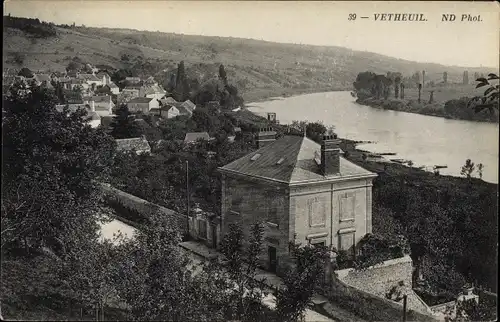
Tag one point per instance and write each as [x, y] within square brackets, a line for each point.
[379, 279]
[246, 201]
[144, 207]
[368, 306]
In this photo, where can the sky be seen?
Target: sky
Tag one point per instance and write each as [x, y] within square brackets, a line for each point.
[470, 44]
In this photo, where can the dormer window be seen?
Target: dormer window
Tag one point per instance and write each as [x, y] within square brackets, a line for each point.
[280, 161]
[255, 157]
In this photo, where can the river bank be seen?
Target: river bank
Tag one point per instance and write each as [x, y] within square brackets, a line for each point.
[456, 109]
[267, 94]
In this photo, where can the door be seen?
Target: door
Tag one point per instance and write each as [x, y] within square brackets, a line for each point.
[273, 261]
[214, 236]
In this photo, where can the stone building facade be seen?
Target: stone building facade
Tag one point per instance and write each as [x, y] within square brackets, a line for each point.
[302, 191]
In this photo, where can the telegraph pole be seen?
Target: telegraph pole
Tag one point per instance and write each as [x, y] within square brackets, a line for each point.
[187, 192]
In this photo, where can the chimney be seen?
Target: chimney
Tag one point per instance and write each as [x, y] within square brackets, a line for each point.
[265, 137]
[271, 117]
[92, 106]
[330, 155]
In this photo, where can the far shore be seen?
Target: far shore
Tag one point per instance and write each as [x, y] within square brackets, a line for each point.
[264, 94]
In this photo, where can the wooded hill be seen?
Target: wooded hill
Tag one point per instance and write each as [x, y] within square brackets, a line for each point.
[258, 68]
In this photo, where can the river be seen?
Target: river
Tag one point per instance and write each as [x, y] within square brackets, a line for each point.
[426, 140]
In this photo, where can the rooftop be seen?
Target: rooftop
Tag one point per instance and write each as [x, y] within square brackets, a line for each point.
[98, 99]
[133, 144]
[140, 100]
[192, 137]
[290, 159]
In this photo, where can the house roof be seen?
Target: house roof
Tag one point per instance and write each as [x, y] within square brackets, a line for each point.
[140, 100]
[132, 88]
[102, 74]
[88, 77]
[153, 89]
[192, 137]
[98, 98]
[189, 105]
[137, 144]
[168, 100]
[183, 110]
[298, 162]
[112, 85]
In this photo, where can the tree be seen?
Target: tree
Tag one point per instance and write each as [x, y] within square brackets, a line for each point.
[480, 168]
[466, 78]
[222, 74]
[419, 91]
[402, 91]
[445, 77]
[431, 97]
[51, 161]
[467, 169]
[181, 91]
[26, 72]
[490, 98]
[241, 266]
[300, 281]
[397, 84]
[123, 125]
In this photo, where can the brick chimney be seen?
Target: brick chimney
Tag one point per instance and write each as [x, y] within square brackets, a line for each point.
[265, 137]
[330, 155]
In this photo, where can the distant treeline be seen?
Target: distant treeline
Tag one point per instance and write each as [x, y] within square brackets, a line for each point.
[388, 92]
[31, 26]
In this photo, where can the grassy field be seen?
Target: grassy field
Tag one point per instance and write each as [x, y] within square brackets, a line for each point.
[259, 69]
[444, 93]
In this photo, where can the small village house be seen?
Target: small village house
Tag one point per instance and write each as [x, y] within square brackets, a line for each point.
[168, 101]
[92, 117]
[127, 94]
[152, 91]
[113, 88]
[142, 104]
[302, 191]
[91, 80]
[165, 111]
[138, 145]
[103, 104]
[133, 80]
[106, 79]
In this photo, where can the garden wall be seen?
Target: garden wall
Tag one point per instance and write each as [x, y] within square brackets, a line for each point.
[363, 292]
[137, 210]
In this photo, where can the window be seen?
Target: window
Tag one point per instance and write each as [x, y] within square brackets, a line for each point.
[347, 241]
[347, 202]
[316, 211]
[255, 157]
[318, 243]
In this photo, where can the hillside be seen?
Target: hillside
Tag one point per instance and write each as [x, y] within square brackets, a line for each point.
[258, 68]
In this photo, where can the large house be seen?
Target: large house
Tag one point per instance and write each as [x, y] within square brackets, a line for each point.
[142, 104]
[302, 191]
